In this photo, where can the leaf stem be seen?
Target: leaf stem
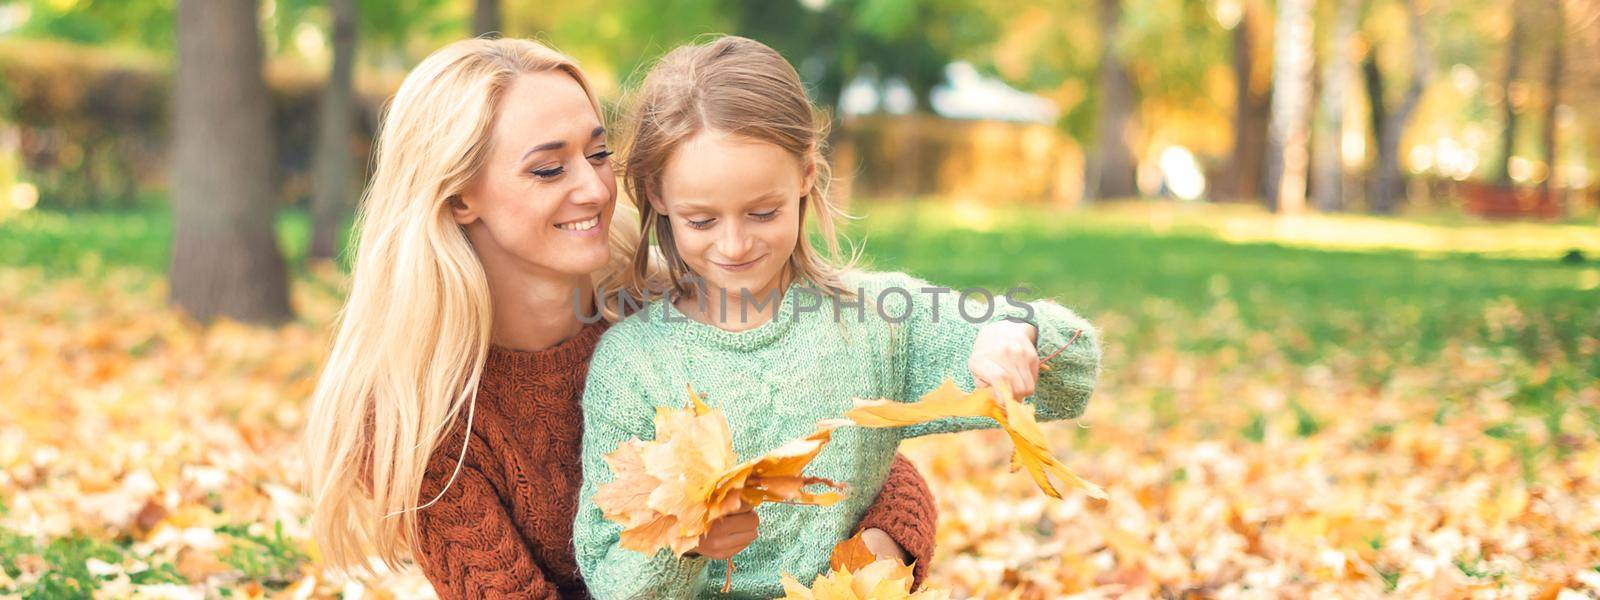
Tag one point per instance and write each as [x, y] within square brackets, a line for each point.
[1075, 334]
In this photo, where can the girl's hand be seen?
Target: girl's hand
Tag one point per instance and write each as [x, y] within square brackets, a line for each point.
[1005, 352]
[729, 534]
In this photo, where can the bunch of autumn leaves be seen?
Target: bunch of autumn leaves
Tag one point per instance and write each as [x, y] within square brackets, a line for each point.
[667, 492]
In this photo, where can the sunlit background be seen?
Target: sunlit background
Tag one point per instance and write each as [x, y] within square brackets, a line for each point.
[1343, 254]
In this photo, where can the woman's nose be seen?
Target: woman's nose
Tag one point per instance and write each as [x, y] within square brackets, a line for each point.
[593, 188]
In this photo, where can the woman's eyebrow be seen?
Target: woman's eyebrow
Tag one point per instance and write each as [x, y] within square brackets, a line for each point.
[559, 144]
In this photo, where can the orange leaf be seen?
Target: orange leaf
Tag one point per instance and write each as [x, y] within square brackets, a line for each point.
[851, 554]
[667, 492]
[1015, 417]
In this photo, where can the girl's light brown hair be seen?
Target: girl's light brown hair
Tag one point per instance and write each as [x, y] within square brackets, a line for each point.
[737, 86]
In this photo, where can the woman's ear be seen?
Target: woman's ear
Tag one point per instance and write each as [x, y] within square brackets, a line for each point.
[463, 211]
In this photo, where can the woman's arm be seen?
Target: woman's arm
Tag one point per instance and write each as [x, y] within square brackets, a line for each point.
[468, 546]
[906, 511]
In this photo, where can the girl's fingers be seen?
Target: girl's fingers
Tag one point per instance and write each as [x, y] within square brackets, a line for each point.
[987, 373]
[1021, 383]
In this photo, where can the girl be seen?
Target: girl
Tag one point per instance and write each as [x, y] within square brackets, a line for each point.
[723, 163]
[445, 425]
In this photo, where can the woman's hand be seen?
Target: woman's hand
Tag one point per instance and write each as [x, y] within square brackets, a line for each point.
[1005, 353]
[884, 547]
[729, 534]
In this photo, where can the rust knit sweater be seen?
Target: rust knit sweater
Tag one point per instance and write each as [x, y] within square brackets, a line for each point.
[503, 529]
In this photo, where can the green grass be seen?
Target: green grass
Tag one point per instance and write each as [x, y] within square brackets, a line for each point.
[1183, 289]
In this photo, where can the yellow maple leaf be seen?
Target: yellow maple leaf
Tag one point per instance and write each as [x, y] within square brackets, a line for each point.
[667, 492]
[1029, 450]
[885, 579]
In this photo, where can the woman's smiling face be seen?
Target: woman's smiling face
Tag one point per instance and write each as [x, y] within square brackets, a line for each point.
[734, 205]
[543, 198]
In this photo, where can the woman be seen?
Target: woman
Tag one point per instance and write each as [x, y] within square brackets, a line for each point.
[446, 424]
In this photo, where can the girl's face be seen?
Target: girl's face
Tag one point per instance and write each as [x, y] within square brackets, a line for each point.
[734, 205]
[542, 201]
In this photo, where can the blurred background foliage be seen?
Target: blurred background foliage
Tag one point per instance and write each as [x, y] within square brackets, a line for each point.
[85, 110]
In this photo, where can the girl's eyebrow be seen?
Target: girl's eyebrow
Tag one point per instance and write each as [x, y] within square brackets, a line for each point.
[691, 205]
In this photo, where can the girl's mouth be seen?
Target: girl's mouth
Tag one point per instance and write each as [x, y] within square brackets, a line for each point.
[739, 266]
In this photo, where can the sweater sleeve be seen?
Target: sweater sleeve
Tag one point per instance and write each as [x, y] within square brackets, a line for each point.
[609, 570]
[468, 546]
[940, 331]
[906, 511]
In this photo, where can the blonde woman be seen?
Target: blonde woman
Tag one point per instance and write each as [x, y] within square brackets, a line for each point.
[446, 425]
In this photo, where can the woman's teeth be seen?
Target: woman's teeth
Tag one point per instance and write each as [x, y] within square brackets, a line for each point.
[583, 225]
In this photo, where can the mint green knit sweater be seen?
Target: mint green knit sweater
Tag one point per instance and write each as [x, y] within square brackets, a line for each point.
[774, 382]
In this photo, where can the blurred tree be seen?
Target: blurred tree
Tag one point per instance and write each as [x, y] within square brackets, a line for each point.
[1291, 107]
[485, 17]
[1387, 182]
[1327, 180]
[1252, 109]
[832, 41]
[331, 201]
[1552, 86]
[1111, 169]
[1511, 94]
[225, 260]
[144, 23]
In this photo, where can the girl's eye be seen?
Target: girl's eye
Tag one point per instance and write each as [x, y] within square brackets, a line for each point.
[702, 224]
[766, 216]
[550, 173]
[600, 156]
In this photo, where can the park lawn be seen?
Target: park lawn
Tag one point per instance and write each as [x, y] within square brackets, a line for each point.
[1368, 419]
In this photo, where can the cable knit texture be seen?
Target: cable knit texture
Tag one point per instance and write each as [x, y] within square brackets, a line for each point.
[503, 529]
[907, 513]
[774, 382]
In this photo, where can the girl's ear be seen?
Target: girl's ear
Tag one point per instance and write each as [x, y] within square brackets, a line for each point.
[657, 205]
[810, 178]
[462, 210]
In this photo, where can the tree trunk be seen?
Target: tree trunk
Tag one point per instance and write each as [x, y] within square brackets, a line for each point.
[1388, 184]
[1111, 166]
[1552, 86]
[225, 260]
[1291, 107]
[331, 201]
[1328, 177]
[486, 17]
[1252, 111]
[1508, 135]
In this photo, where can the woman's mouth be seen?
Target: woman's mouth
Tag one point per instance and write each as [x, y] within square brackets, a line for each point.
[739, 266]
[588, 225]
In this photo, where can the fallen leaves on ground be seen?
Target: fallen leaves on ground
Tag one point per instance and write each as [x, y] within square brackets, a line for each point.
[135, 444]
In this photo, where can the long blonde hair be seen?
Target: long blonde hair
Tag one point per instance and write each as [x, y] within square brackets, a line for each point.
[414, 333]
[734, 85]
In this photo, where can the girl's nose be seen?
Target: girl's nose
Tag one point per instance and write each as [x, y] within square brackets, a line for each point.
[733, 244]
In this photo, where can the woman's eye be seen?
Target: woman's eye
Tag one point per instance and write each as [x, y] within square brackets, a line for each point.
[702, 224]
[550, 173]
[601, 155]
[766, 216]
